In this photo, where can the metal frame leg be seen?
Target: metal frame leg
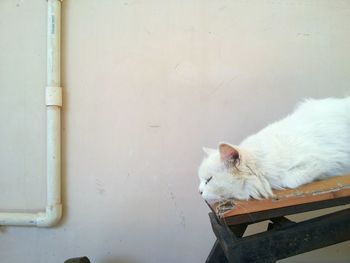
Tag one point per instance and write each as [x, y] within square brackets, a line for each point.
[283, 239]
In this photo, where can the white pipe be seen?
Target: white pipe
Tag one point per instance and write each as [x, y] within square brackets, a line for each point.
[53, 210]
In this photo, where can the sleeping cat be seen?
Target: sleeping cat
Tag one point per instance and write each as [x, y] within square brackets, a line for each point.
[311, 143]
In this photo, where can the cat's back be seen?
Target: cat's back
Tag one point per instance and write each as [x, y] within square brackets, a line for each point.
[316, 134]
[313, 121]
[323, 109]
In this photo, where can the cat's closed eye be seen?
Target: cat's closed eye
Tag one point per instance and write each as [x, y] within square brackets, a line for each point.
[208, 180]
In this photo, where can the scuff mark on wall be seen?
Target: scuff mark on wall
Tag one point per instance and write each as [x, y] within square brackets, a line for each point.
[178, 211]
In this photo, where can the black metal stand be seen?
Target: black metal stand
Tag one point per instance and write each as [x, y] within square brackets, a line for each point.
[282, 239]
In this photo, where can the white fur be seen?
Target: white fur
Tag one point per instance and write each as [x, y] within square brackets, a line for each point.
[311, 143]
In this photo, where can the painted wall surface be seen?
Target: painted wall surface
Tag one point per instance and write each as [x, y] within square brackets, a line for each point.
[146, 85]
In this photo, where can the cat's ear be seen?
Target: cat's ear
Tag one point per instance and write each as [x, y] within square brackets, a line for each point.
[228, 152]
[208, 151]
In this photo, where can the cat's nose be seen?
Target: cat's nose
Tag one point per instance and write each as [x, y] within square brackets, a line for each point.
[201, 192]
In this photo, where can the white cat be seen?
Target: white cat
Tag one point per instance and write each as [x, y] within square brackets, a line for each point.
[311, 143]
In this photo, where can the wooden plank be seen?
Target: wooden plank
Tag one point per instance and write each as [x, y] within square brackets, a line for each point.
[329, 189]
[284, 211]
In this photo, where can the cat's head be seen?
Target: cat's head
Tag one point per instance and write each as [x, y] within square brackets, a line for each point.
[230, 172]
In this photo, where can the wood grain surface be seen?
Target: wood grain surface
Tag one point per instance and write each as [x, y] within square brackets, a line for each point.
[332, 188]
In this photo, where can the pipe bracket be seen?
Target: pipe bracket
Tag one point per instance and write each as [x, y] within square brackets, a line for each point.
[53, 96]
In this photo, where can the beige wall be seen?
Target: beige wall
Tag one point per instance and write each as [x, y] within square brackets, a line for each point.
[146, 85]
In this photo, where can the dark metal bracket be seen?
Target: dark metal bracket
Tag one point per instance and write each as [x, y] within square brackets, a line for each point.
[283, 238]
[78, 260]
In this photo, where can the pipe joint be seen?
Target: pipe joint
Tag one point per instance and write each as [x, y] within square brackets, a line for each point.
[51, 216]
[53, 96]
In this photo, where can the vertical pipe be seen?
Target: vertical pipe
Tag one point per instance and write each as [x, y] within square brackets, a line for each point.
[53, 108]
[53, 116]
[54, 43]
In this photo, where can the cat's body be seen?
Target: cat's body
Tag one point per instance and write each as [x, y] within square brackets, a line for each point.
[311, 143]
